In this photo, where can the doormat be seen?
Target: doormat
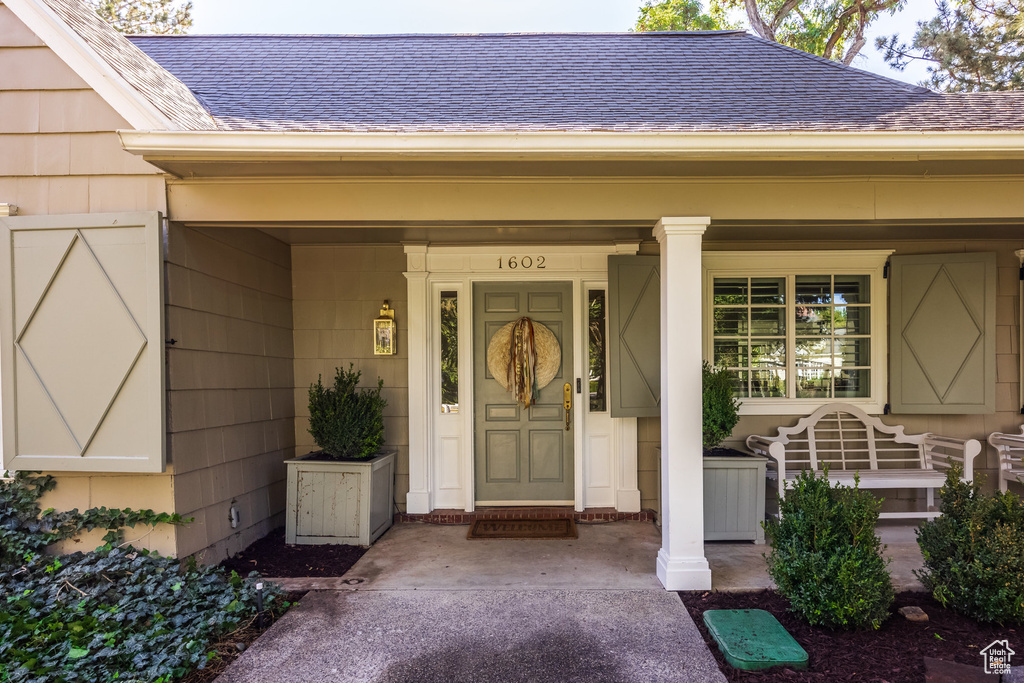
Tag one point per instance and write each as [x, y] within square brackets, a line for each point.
[522, 528]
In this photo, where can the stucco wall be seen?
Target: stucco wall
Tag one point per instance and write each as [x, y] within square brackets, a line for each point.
[337, 292]
[229, 409]
[60, 155]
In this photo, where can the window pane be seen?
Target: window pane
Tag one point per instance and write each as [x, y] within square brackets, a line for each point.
[816, 351]
[852, 352]
[731, 321]
[852, 289]
[731, 353]
[855, 320]
[739, 382]
[813, 289]
[730, 290]
[767, 382]
[852, 383]
[768, 321]
[597, 374]
[813, 381]
[767, 290]
[449, 352]
[813, 320]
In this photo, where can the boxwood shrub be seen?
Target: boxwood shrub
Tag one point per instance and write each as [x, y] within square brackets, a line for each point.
[825, 557]
[347, 423]
[974, 552]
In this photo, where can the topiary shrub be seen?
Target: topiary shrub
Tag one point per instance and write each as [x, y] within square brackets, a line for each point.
[346, 423]
[721, 409]
[825, 557]
[974, 552]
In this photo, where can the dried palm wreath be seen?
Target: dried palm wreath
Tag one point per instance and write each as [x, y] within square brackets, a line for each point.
[524, 356]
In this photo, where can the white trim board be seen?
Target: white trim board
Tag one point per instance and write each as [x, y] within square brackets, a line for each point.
[841, 145]
[441, 444]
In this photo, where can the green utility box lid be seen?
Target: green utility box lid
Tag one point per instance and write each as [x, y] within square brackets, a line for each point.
[752, 639]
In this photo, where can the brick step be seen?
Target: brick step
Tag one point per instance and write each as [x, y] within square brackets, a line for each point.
[588, 515]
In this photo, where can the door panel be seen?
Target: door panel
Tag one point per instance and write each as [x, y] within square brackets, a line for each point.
[522, 454]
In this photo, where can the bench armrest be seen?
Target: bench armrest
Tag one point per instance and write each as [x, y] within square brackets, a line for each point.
[773, 450]
[762, 445]
[940, 450]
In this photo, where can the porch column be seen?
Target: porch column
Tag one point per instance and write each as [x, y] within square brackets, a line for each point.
[418, 500]
[681, 561]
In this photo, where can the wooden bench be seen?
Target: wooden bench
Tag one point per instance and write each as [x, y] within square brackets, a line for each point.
[849, 442]
[1010, 448]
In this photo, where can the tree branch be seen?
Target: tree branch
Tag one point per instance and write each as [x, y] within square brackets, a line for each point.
[756, 22]
[786, 8]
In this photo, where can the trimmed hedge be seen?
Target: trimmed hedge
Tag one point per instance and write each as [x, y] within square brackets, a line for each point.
[825, 557]
[974, 553]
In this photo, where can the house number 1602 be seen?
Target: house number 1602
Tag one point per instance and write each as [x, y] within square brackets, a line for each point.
[513, 262]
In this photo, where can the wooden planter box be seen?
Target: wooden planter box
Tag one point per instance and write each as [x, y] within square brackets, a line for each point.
[734, 498]
[332, 501]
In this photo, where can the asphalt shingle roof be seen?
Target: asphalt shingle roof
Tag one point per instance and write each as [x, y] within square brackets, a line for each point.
[706, 81]
[165, 92]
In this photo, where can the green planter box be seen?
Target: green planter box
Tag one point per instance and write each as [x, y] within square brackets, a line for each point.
[339, 501]
[734, 498]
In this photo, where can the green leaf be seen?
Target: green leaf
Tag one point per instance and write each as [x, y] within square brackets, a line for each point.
[77, 653]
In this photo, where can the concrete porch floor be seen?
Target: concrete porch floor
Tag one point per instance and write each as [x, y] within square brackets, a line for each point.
[606, 556]
[427, 605]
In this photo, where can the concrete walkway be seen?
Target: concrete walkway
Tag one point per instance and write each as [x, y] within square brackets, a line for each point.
[449, 636]
[425, 604]
[434, 606]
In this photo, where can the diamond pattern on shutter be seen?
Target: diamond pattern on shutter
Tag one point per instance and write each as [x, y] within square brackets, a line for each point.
[943, 333]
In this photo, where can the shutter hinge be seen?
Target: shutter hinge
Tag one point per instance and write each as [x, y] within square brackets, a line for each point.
[885, 271]
[887, 409]
[171, 342]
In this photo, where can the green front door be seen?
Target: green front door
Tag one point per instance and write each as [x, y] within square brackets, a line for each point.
[523, 455]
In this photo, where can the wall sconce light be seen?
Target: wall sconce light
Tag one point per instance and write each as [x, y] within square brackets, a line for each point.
[384, 332]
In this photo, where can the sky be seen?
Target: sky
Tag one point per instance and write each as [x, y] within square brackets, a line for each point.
[485, 16]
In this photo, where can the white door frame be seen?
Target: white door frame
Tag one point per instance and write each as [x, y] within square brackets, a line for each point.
[441, 445]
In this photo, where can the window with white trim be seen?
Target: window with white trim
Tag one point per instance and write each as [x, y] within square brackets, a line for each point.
[798, 329]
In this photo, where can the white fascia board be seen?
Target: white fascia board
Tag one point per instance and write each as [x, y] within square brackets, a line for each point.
[252, 145]
[89, 66]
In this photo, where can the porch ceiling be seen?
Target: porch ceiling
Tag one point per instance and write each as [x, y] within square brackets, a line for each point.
[723, 234]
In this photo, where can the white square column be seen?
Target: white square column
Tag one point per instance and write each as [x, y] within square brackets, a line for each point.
[681, 561]
[418, 500]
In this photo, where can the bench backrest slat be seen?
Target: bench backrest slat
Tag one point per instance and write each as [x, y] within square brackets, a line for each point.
[843, 436]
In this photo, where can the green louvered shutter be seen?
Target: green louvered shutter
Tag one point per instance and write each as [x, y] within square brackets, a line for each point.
[634, 325]
[942, 333]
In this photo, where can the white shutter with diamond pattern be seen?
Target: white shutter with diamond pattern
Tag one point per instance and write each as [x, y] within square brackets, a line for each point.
[82, 343]
[942, 333]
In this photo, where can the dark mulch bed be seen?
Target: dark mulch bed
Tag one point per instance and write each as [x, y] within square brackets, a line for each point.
[271, 556]
[230, 647]
[893, 654]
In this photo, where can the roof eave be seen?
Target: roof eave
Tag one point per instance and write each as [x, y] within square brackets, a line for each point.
[154, 145]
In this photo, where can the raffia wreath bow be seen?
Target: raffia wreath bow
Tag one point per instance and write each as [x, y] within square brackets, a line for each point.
[521, 373]
[501, 357]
